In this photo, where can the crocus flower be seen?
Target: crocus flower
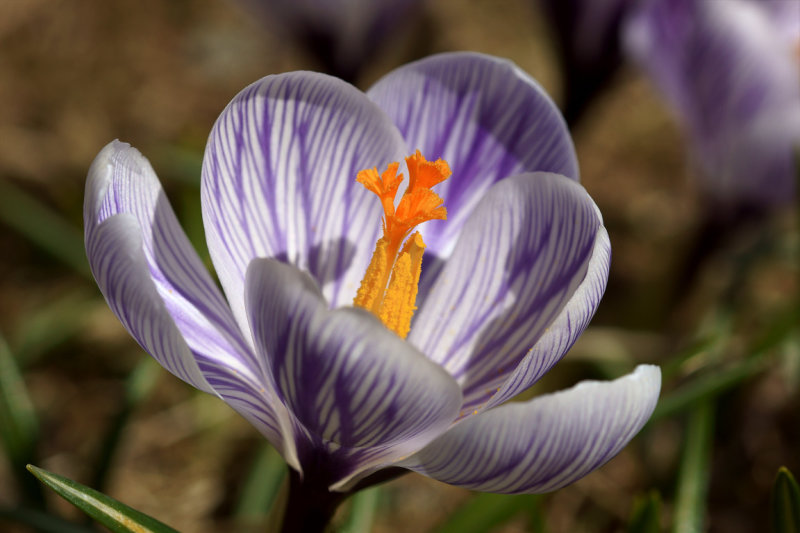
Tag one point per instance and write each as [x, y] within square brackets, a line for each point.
[516, 272]
[587, 36]
[731, 71]
[342, 35]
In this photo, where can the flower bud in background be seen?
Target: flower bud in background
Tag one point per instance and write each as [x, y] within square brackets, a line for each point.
[342, 35]
[731, 72]
[588, 47]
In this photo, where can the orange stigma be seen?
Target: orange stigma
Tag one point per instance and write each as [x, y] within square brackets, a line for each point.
[389, 287]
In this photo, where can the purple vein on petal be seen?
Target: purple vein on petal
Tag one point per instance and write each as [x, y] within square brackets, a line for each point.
[281, 164]
[520, 258]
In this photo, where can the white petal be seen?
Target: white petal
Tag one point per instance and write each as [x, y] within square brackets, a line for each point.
[157, 286]
[521, 257]
[546, 443]
[486, 117]
[360, 390]
[279, 180]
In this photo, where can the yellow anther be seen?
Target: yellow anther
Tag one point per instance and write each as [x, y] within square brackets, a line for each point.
[374, 282]
[399, 302]
[389, 287]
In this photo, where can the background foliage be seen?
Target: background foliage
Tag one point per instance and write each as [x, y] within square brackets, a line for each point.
[79, 398]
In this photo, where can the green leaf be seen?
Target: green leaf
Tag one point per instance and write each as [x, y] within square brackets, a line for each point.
[262, 485]
[485, 511]
[780, 326]
[116, 516]
[138, 385]
[673, 365]
[47, 327]
[646, 515]
[690, 500]
[784, 503]
[706, 386]
[19, 426]
[363, 507]
[43, 226]
[41, 521]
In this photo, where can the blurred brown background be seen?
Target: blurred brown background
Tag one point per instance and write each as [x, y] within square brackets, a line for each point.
[76, 74]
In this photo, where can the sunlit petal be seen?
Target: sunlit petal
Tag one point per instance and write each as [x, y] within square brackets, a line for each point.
[352, 383]
[546, 443]
[279, 180]
[487, 118]
[521, 257]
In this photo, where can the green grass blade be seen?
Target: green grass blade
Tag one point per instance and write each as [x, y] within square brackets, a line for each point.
[781, 326]
[646, 515]
[690, 500]
[116, 516]
[784, 503]
[485, 511]
[672, 366]
[40, 521]
[19, 426]
[363, 508]
[138, 385]
[18, 423]
[47, 327]
[262, 485]
[44, 227]
[704, 387]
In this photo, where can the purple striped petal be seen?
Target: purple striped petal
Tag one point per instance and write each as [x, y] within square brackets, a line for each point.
[559, 337]
[546, 443]
[279, 181]
[360, 391]
[520, 260]
[731, 72]
[121, 270]
[487, 118]
[159, 289]
[121, 181]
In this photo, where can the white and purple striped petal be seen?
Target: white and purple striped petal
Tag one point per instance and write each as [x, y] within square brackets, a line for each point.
[522, 256]
[487, 118]
[121, 181]
[279, 181]
[116, 256]
[545, 443]
[559, 337]
[157, 286]
[357, 388]
[732, 73]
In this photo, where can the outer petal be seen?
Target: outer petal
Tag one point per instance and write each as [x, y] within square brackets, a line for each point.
[520, 259]
[361, 392]
[546, 443]
[279, 181]
[121, 270]
[483, 115]
[732, 74]
[121, 181]
[559, 337]
[157, 286]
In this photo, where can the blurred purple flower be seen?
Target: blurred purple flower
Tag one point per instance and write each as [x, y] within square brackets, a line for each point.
[515, 275]
[588, 46]
[342, 34]
[731, 70]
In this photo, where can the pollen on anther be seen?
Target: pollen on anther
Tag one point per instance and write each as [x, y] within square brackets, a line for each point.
[389, 286]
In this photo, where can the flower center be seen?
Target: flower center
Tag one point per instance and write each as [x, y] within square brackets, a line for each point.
[389, 287]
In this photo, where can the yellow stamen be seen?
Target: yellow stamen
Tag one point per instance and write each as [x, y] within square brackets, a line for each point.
[389, 287]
